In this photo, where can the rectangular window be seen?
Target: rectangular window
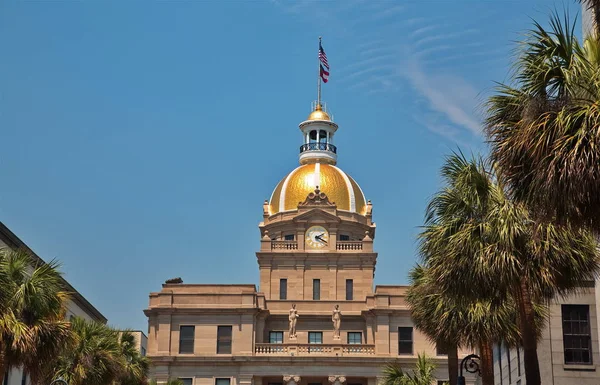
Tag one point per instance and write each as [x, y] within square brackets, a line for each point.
[6, 377]
[283, 288]
[186, 339]
[143, 351]
[187, 381]
[316, 289]
[224, 339]
[576, 334]
[405, 340]
[275, 337]
[344, 237]
[441, 349]
[500, 360]
[315, 337]
[354, 338]
[24, 379]
[222, 381]
[349, 290]
[288, 237]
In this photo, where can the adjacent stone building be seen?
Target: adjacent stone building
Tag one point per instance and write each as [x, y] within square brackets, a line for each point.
[317, 317]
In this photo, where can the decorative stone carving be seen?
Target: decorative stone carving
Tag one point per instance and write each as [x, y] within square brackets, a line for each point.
[174, 280]
[293, 320]
[266, 208]
[336, 318]
[316, 198]
[337, 380]
[369, 208]
[291, 380]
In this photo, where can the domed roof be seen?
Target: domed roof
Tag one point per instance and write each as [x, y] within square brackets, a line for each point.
[340, 188]
[319, 114]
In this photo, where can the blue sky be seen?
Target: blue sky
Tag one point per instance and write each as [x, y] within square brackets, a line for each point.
[139, 139]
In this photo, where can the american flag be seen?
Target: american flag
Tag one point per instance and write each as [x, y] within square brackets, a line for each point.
[323, 56]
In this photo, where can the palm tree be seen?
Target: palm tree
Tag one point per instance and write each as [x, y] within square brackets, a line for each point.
[421, 375]
[480, 245]
[543, 125]
[32, 310]
[136, 366]
[94, 358]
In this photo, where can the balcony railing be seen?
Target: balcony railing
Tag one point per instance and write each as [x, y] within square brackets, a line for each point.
[284, 245]
[349, 245]
[318, 147]
[313, 349]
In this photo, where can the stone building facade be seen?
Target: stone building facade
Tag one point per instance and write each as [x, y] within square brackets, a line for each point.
[317, 317]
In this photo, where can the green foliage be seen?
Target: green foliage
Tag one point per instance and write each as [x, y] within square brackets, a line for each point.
[32, 309]
[543, 125]
[422, 374]
[170, 381]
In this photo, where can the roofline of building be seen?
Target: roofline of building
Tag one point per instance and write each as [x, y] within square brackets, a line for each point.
[11, 239]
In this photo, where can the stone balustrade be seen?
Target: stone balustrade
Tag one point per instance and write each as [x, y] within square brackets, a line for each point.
[313, 349]
[284, 245]
[349, 245]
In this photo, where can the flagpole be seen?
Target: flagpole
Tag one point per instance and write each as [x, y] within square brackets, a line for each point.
[319, 77]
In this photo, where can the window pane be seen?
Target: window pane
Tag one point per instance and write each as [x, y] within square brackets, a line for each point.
[289, 237]
[6, 378]
[344, 237]
[276, 337]
[224, 340]
[187, 381]
[441, 349]
[354, 338]
[316, 289]
[576, 334]
[349, 290]
[222, 381]
[315, 337]
[186, 339]
[405, 342]
[283, 289]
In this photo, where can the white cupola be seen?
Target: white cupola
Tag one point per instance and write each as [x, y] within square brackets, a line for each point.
[318, 131]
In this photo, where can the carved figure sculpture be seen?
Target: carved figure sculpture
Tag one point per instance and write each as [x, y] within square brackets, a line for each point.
[336, 318]
[293, 319]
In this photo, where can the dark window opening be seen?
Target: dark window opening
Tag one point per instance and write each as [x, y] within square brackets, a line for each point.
[344, 237]
[288, 237]
[224, 339]
[577, 337]
[315, 337]
[275, 337]
[186, 339]
[316, 289]
[441, 349]
[187, 381]
[222, 381]
[405, 340]
[349, 290]
[354, 338]
[283, 288]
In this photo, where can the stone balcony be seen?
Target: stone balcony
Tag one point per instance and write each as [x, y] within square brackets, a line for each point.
[339, 246]
[292, 349]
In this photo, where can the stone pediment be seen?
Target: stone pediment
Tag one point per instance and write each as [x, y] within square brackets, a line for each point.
[317, 198]
[317, 215]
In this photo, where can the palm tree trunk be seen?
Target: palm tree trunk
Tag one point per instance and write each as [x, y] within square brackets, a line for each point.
[453, 364]
[487, 363]
[526, 324]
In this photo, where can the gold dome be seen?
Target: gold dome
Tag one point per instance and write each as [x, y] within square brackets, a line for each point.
[339, 187]
[319, 114]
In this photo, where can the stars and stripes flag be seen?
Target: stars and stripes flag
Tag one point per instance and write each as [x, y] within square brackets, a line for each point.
[324, 66]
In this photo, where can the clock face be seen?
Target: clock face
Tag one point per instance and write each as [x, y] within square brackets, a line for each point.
[316, 237]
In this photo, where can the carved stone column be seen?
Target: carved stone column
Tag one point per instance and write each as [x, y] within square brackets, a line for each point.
[291, 380]
[337, 380]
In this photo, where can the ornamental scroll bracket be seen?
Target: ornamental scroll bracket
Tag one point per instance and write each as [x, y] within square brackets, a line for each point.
[337, 379]
[290, 379]
[317, 198]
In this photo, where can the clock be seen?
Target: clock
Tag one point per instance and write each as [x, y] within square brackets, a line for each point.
[316, 237]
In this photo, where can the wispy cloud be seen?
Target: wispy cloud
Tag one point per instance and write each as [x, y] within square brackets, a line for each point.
[448, 95]
[444, 36]
[388, 12]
